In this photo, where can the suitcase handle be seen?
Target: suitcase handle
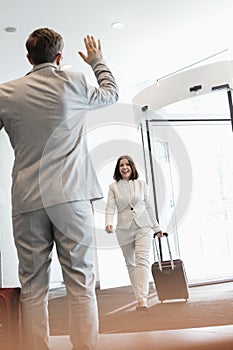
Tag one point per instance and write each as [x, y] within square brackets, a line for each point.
[164, 234]
[158, 253]
[160, 245]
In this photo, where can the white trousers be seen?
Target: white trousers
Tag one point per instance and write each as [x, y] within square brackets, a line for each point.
[70, 226]
[136, 245]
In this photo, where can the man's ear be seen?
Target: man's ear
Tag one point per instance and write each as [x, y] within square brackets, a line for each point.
[29, 59]
[58, 59]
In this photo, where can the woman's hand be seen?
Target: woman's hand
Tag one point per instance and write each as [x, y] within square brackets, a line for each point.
[159, 234]
[109, 229]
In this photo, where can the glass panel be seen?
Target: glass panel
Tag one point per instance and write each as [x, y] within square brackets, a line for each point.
[193, 170]
[165, 196]
[205, 227]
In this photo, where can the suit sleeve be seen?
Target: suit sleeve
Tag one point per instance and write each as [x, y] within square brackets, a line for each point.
[150, 209]
[110, 207]
[107, 90]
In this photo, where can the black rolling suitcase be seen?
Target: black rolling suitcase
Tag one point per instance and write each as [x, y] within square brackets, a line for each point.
[10, 325]
[169, 276]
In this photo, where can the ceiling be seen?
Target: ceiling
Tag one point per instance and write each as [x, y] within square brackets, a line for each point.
[158, 38]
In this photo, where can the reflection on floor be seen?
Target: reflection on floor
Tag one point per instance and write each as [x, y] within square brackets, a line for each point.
[210, 338]
[213, 304]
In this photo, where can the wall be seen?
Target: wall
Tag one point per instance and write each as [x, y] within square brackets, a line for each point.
[8, 252]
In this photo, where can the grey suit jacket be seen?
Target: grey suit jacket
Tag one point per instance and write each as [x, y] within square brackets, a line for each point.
[43, 113]
[124, 195]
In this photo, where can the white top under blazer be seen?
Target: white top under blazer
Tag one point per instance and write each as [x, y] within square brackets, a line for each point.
[131, 199]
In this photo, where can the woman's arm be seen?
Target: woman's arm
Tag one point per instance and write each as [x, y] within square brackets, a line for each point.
[110, 210]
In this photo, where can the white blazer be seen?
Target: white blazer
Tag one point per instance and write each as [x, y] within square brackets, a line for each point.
[131, 200]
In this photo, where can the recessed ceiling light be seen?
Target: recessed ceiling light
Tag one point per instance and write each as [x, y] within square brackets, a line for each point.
[117, 24]
[10, 29]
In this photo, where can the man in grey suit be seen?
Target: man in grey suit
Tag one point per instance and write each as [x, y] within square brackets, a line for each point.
[54, 183]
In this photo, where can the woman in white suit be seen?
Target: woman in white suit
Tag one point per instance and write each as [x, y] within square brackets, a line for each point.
[136, 224]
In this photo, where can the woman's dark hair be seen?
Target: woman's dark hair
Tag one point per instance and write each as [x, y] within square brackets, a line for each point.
[43, 45]
[117, 175]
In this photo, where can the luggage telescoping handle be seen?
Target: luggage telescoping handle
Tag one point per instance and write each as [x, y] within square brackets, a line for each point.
[156, 253]
[159, 254]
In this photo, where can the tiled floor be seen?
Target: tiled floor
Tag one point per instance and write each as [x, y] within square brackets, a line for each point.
[209, 338]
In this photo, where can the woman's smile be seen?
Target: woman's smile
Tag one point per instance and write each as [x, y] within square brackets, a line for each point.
[125, 169]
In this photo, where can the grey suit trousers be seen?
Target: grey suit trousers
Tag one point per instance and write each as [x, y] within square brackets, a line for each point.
[70, 227]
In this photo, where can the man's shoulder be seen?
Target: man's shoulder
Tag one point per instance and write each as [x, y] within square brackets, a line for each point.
[70, 74]
[9, 85]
